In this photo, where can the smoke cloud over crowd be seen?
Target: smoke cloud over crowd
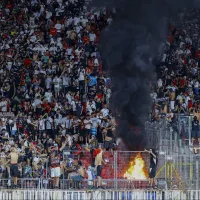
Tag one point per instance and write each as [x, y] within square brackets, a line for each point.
[127, 48]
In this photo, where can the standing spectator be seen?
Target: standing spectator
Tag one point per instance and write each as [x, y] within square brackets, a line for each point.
[195, 130]
[55, 168]
[87, 124]
[153, 166]
[14, 172]
[98, 166]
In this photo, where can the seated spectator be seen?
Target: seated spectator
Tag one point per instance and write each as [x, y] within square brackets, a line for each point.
[78, 175]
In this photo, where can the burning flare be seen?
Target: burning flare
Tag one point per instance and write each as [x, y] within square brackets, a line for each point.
[137, 169]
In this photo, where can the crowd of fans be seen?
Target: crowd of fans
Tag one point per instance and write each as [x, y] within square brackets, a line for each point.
[177, 86]
[52, 81]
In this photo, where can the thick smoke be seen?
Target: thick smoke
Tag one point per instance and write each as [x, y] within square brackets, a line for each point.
[127, 48]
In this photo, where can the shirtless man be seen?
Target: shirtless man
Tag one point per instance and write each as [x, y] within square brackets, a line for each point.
[14, 156]
[98, 166]
[77, 176]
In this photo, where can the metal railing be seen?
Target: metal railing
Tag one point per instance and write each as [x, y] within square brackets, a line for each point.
[173, 171]
[66, 184]
[98, 195]
[170, 136]
[178, 166]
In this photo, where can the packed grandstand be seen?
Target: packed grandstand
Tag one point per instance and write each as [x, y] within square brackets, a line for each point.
[55, 93]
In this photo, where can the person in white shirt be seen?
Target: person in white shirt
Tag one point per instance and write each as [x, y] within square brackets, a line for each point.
[69, 97]
[13, 125]
[57, 122]
[180, 97]
[48, 96]
[87, 123]
[92, 37]
[105, 111]
[83, 21]
[41, 126]
[67, 122]
[76, 20]
[154, 95]
[88, 107]
[57, 85]
[73, 104]
[91, 177]
[48, 82]
[3, 105]
[196, 87]
[58, 27]
[95, 121]
[93, 106]
[9, 65]
[81, 79]
[48, 14]
[49, 127]
[159, 83]
[187, 98]
[65, 82]
[36, 102]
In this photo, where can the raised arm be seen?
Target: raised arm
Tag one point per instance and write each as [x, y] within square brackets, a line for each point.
[150, 151]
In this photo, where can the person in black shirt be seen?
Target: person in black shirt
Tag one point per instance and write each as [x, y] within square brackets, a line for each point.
[195, 130]
[153, 166]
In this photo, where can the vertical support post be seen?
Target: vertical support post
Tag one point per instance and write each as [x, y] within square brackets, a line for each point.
[161, 140]
[115, 169]
[170, 138]
[191, 169]
[47, 167]
[180, 163]
[180, 146]
[189, 129]
[197, 175]
[166, 168]
[175, 142]
[62, 185]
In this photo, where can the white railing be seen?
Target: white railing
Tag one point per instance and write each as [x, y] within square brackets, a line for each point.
[65, 184]
[98, 195]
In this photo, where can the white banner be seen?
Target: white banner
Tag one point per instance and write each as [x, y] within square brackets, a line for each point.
[6, 114]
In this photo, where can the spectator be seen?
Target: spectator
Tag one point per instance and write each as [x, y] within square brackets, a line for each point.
[195, 130]
[98, 166]
[77, 176]
[27, 171]
[14, 155]
[91, 177]
[55, 168]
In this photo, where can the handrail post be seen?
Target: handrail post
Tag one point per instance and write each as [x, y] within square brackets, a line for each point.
[115, 170]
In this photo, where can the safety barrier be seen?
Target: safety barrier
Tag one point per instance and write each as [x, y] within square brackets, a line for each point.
[98, 195]
[173, 171]
[66, 184]
[178, 165]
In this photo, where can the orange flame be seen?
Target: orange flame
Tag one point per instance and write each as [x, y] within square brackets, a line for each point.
[137, 169]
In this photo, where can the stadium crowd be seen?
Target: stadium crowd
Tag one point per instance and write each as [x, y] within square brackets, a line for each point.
[177, 86]
[52, 82]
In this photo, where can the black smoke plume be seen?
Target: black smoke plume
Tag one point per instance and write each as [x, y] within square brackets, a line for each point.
[127, 48]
